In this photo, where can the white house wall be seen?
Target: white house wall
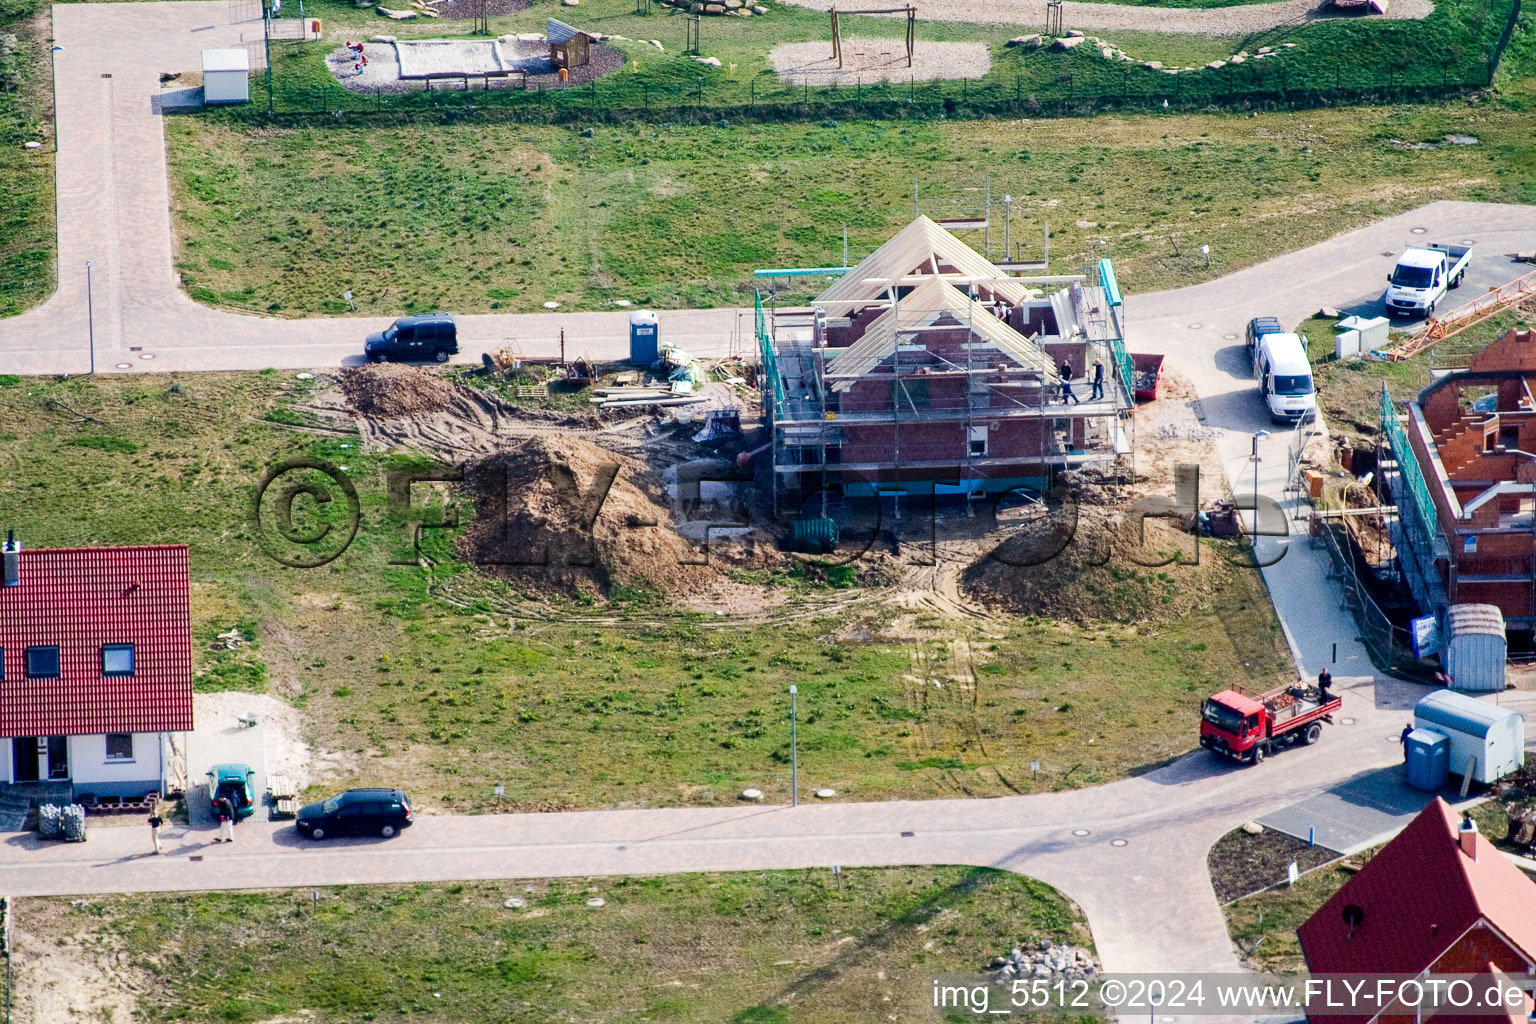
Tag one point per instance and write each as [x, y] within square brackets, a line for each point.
[93, 773]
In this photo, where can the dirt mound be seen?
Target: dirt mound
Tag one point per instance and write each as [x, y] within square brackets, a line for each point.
[1096, 564]
[564, 513]
[390, 390]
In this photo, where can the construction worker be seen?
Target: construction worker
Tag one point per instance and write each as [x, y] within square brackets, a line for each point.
[1065, 371]
[1098, 382]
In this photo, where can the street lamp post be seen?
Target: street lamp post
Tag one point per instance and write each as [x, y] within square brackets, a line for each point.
[794, 756]
[90, 315]
[1007, 211]
[53, 57]
[1258, 435]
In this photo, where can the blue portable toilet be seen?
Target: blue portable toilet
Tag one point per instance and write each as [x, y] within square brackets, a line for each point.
[644, 346]
[1429, 759]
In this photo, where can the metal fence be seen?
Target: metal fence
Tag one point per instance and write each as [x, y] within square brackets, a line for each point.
[1390, 645]
[1421, 518]
[616, 103]
[770, 367]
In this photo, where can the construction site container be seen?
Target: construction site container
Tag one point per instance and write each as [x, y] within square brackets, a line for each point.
[226, 76]
[1429, 759]
[1148, 368]
[644, 343]
[1476, 650]
[1487, 742]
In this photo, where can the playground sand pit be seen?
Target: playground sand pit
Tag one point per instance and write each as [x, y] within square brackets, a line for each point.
[450, 10]
[403, 66]
[878, 60]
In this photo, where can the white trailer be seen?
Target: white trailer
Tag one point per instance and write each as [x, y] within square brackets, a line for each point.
[1487, 741]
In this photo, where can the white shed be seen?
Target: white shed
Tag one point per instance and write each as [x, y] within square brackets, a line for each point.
[1485, 736]
[1475, 647]
[226, 76]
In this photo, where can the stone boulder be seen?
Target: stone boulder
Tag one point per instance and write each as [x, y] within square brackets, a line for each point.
[1029, 42]
[1068, 43]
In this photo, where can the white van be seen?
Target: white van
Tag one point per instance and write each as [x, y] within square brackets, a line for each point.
[1285, 377]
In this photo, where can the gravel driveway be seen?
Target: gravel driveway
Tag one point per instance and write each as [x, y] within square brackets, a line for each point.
[1216, 21]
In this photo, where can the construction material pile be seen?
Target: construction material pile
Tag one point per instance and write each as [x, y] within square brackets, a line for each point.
[1084, 567]
[390, 389]
[564, 513]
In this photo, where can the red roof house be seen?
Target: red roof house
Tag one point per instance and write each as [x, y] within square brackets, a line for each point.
[95, 664]
[1436, 899]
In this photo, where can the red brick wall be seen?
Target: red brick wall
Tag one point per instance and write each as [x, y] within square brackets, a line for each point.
[1515, 351]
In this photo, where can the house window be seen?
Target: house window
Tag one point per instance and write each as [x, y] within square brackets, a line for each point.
[117, 660]
[2, 662]
[119, 746]
[978, 447]
[43, 662]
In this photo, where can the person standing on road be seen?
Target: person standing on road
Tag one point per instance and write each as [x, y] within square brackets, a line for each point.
[226, 813]
[1402, 738]
[1098, 382]
[155, 821]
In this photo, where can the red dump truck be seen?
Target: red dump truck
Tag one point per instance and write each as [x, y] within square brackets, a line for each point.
[1248, 726]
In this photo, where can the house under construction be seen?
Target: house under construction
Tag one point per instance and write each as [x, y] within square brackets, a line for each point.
[1465, 479]
[925, 370]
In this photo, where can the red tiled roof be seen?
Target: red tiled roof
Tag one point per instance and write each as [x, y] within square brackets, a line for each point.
[1417, 896]
[80, 599]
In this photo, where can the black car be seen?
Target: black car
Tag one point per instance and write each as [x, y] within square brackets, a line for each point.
[357, 812]
[415, 338]
[1260, 326]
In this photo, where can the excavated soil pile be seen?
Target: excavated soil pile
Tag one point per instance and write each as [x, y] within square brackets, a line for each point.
[390, 389]
[1085, 568]
[542, 515]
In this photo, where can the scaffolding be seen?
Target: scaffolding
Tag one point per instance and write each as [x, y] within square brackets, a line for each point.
[917, 366]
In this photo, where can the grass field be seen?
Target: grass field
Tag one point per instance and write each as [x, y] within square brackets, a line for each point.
[1449, 47]
[1349, 391]
[26, 175]
[286, 219]
[1263, 926]
[759, 948]
[452, 681]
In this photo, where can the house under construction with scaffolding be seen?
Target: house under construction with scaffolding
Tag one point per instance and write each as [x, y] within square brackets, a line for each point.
[1463, 474]
[927, 371]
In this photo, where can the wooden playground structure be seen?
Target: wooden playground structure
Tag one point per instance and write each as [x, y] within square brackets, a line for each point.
[837, 32]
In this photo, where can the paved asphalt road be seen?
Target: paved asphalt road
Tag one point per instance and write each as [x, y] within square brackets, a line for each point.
[1132, 854]
[1137, 869]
